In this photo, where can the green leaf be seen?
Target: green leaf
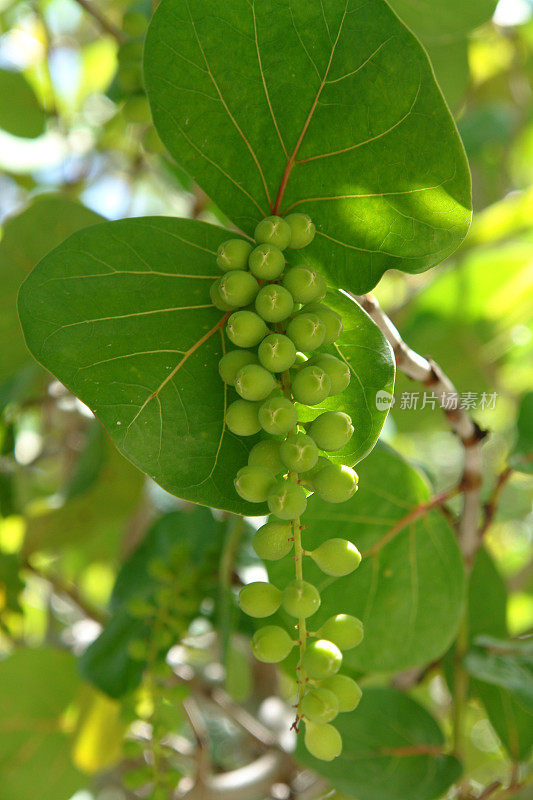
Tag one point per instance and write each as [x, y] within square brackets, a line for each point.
[195, 537]
[20, 112]
[121, 314]
[408, 589]
[53, 218]
[443, 27]
[487, 600]
[392, 747]
[521, 457]
[496, 665]
[328, 109]
[36, 687]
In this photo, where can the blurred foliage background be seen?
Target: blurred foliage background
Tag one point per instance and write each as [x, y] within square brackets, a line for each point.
[77, 145]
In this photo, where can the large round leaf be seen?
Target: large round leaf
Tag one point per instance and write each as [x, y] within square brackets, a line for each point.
[391, 748]
[408, 589]
[121, 314]
[327, 108]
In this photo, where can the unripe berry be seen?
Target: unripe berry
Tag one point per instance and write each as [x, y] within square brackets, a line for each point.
[238, 288]
[346, 689]
[335, 484]
[321, 659]
[274, 303]
[231, 362]
[266, 262]
[302, 230]
[287, 500]
[336, 557]
[259, 599]
[305, 284]
[307, 477]
[307, 331]
[343, 630]
[273, 230]
[254, 484]
[273, 540]
[254, 382]
[338, 371]
[320, 705]
[298, 452]
[276, 352]
[278, 416]
[323, 741]
[331, 430]
[246, 329]
[330, 318]
[310, 386]
[266, 454]
[271, 644]
[242, 418]
[233, 254]
[301, 599]
[216, 297]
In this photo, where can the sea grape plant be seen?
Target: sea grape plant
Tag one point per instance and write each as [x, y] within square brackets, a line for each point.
[230, 362]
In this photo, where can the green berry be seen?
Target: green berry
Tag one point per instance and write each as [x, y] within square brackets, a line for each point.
[338, 371]
[307, 331]
[336, 557]
[233, 254]
[298, 452]
[246, 329]
[330, 318]
[254, 483]
[231, 363]
[276, 352]
[335, 484]
[321, 659]
[242, 418]
[238, 288]
[259, 599]
[346, 689]
[272, 644]
[278, 416]
[216, 297]
[320, 705]
[311, 386]
[266, 454]
[273, 230]
[302, 230]
[343, 630]
[287, 500]
[307, 477]
[266, 262]
[254, 382]
[305, 284]
[323, 741]
[273, 540]
[274, 303]
[331, 430]
[301, 599]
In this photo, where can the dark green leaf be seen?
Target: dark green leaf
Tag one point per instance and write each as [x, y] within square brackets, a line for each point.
[330, 109]
[36, 687]
[195, 538]
[392, 748]
[408, 590]
[20, 112]
[522, 456]
[121, 314]
[26, 238]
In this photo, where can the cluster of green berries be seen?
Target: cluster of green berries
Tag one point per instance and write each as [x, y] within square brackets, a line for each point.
[278, 322]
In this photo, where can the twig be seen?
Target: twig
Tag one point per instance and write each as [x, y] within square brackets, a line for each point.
[61, 587]
[105, 24]
[489, 509]
[471, 435]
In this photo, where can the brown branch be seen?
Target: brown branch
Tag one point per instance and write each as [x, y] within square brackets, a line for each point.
[490, 507]
[106, 25]
[471, 435]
